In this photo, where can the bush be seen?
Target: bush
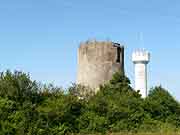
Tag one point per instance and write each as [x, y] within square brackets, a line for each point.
[31, 109]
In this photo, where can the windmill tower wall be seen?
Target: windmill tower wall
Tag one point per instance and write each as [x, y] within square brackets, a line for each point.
[98, 61]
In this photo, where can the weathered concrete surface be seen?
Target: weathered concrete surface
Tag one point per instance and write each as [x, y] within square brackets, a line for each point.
[98, 61]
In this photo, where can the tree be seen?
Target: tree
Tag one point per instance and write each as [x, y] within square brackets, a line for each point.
[161, 105]
[18, 87]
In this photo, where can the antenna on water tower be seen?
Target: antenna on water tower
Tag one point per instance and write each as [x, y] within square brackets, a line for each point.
[141, 39]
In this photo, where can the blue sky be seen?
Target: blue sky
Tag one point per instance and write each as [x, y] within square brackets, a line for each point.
[42, 36]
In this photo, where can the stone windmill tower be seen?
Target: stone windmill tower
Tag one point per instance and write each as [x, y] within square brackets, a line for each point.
[98, 61]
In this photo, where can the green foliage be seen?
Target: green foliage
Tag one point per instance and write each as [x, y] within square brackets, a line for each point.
[28, 108]
[80, 91]
[161, 105]
[18, 86]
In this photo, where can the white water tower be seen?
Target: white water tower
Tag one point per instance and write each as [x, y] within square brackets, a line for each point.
[140, 59]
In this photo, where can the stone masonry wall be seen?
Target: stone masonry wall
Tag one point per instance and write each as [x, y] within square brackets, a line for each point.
[98, 61]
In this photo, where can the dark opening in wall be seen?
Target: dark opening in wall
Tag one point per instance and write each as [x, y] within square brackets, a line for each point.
[118, 60]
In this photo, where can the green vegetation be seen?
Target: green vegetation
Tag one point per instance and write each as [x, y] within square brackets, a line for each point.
[28, 108]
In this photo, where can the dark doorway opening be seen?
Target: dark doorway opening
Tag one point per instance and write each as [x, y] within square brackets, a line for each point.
[118, 60]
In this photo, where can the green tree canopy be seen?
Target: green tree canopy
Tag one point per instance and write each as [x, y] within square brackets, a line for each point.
[28, 108]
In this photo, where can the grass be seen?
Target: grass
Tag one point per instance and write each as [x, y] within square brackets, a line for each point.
[168, 133]
[144, 134]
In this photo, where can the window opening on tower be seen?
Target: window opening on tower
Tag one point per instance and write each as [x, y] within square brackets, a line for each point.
[118, 60]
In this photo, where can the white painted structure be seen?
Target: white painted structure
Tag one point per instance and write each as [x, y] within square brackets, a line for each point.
[140, 59]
